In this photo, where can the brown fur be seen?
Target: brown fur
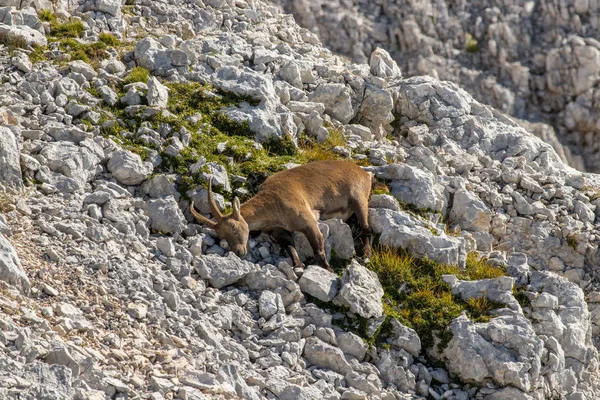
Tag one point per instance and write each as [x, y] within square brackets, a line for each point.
[293, 201]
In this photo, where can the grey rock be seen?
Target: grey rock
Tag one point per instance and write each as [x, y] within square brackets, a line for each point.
[21, 34]
[401, 230]
[414, 186]
[10, 167]
[351, 345]
[11, 270]
[383, 66]
[470, 212]
[223, 271]
[269, 304]
[405, 338]
[361, 291]
[128, 167]
[112, 7]
[319, 282]
[166, 215]
[342, 241]
[158, 94]
[513, 357]
[325, 355]
[337, 99]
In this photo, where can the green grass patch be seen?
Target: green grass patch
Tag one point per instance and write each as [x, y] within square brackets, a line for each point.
[137, 74]
[69, 29]
[47, 16]
[416, 295]
[108, 39]
[198, 109]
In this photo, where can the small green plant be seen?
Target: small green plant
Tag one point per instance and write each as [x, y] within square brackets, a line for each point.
[471, 43]
[572, 242]
[47, 16]
[137, 74]
[37, 54]
[69, 29]
[108, 39]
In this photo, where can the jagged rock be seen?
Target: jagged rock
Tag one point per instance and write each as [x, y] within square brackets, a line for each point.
[11, 270]
[269, 304]
[511, 358]
[351, 344]
[401, 230]
[414, 186]
[361, 291]
[10, 168]
[166, 215]
[128, 167]
[498, 289]
[158, 94]
[112, 7]
[21, 35]
[325, 355]
[223, 271]
[404, 338]
[337, 99]
[83, 68]
[383, 66]
[342, 241]
[470, 212]
[319, 282]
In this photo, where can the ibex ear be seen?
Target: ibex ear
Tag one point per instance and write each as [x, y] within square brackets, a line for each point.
[236, 209]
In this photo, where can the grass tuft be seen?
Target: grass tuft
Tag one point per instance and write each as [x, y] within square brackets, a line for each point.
[108, 39]
[416, 295]
[137, 74]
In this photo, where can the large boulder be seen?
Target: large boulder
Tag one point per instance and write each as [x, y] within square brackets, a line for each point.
[319, 283]
[470, 212]
[128, 167]
[223, 271]
[166, 216]
[10, 167]
[11, 270]
[361, 291]
[400, 229]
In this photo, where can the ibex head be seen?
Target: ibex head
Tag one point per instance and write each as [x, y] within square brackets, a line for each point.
[232, 227]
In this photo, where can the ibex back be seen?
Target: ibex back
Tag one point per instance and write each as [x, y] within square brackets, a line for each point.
[294, 201]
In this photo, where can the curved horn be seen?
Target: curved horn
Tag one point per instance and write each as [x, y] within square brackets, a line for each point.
[236, 209]
[211, 203]
[200, 218]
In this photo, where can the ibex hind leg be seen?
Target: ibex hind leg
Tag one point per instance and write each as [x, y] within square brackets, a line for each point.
[285, 239]
[361, 209]
[317, 242]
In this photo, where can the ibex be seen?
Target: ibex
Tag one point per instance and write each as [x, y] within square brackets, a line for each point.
[293, 201]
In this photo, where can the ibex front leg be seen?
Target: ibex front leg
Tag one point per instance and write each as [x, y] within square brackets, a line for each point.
[286, 240]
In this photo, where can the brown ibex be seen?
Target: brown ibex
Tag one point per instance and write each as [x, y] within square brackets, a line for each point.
[293, 201]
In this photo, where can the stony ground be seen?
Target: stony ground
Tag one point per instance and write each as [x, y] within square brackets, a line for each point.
[113, 119]
[536, 61]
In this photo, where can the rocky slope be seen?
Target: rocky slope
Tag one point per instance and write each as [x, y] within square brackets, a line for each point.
[537, 61]
[113, 118]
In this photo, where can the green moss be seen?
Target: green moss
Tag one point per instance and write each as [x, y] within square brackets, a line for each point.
[137, 74]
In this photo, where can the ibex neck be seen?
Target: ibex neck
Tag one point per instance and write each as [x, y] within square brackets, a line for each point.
[255, 214]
